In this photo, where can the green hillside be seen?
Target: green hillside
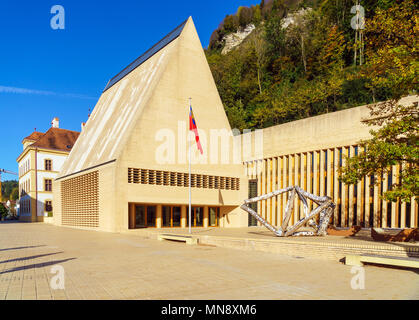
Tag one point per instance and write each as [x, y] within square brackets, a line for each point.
[314, 65]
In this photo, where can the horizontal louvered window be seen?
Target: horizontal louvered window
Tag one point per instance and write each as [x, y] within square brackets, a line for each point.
[181, 179]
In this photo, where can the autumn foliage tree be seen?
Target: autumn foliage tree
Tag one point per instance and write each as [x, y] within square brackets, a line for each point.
[392, 65]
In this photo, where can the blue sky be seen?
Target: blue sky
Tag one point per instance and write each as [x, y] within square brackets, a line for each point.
[46, 73]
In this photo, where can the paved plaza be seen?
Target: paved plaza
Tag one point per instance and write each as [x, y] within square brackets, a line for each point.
[100, 265]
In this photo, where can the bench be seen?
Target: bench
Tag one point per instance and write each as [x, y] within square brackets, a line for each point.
[176, 237]
[360, 260]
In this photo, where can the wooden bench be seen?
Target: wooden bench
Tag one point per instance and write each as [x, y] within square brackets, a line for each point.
[360, 260]
[176, 237]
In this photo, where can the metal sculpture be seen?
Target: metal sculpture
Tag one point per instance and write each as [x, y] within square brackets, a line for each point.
[324, 211]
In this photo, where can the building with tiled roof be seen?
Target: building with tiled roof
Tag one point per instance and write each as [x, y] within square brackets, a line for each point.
[39, 163]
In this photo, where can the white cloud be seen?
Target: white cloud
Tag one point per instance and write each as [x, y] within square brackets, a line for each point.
[6, 89]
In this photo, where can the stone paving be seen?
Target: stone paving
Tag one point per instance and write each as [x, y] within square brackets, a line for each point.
[100, 265]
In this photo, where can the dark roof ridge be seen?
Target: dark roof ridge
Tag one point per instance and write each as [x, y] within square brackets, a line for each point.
[62, 129]
[174, 34]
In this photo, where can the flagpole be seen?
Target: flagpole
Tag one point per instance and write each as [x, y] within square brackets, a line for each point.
[190, 220]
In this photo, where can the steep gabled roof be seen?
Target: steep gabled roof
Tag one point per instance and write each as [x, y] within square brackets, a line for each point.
[120, 106]
[57, 139]
[147, 55]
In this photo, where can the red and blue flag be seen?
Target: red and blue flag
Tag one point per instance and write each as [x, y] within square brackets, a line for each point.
[194, 128]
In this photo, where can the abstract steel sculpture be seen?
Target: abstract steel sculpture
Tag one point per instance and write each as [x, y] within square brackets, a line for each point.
[324, 210]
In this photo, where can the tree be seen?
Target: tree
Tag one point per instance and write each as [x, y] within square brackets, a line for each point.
[393, 62]
[259, 44]
[236, 116]
[298, 32]
[245, 16]
[3, 211]
[15, 194]
[7, 187]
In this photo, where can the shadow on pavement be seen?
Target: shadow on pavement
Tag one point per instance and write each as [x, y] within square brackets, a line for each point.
[31, 257]
[37, 265]
[18, 248]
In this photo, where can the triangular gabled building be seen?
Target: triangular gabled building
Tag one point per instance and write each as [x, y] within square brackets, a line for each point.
[129, 167]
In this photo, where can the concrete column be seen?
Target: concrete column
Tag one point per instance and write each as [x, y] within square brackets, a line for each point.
[329, 173]
[395, 205]
[359, 200]
[351, 194]
[183, 213]
[290, 180]
[403, 208]
[278, 186]
[131, 214]
[376, 205]
[296, 161]
[254, 168]
[315, 173]
[309, 175]
[367, 200]
[413, 213]
[269, 189]
[302, 179]
[403, 215]
[206, 217]
[274, 187]
[264, 188]
[336, 183]
[261, 183]
[344, 206]
[284, 185]
[322, 191]
[384, 203]
[159, 220]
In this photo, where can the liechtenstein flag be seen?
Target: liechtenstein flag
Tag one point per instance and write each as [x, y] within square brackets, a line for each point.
[193, 127]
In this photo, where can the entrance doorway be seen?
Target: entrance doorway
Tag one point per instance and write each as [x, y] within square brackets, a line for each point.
[145, 216]
[171, 216]
[214, 216]
[197, 215]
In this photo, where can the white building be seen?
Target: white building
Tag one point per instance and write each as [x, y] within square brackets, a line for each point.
[41, 160]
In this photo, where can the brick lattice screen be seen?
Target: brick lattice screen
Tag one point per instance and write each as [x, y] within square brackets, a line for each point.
[80, 201]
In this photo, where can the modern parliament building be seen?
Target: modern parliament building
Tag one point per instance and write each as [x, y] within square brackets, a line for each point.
[129, 166]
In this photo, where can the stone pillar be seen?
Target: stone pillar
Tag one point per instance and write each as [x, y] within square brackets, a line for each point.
[296, 161]
[183, 213]
[403, 207]
[284, 185]
[269, 189]
[336, 184]
[159, 220]
[302, 179]
[206, 217]
[290, 181]
[351, 194]
[367, 201]
[344, 207]
[413, 213]
[394, 205]
[131, 214]
[384, 204]
[309, 175]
